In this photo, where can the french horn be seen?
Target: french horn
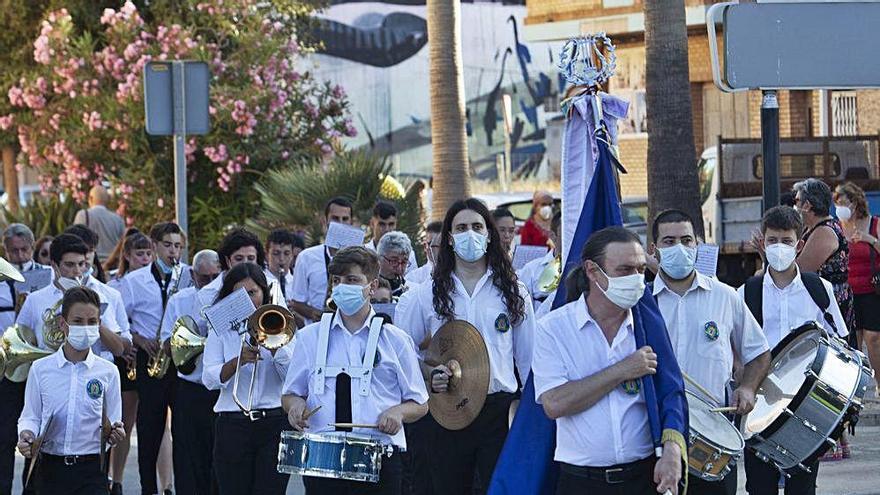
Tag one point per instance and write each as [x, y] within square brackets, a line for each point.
[20, 349]
[186, 344]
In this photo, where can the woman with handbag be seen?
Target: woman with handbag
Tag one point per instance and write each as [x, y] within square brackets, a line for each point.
[864, 264]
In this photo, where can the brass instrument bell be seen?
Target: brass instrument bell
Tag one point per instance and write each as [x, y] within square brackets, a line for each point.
[19, 345]
[9, 272]
[186, 344]
[548, 281]
[53, 335]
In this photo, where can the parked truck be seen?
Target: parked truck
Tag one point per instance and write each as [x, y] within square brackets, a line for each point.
[731, 187]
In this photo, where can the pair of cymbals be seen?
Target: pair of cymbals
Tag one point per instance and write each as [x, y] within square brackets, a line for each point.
[460, 347]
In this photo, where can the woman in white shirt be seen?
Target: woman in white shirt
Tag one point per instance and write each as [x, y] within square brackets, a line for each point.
[246, 445]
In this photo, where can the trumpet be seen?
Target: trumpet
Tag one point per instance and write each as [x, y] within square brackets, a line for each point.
[186, 344]
[158, 364]
[271, 326]
[19, 349]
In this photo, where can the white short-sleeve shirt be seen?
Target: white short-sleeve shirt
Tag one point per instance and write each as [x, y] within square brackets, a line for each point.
[310, 277]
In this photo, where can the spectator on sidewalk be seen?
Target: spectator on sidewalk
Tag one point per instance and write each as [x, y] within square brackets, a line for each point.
[109, 226]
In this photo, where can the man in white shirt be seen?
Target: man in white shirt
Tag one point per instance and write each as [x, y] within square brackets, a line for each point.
[473, 280]
[310, 273]
[192, 420]
[394, 252]
[530, 274]
[782, 300]
[66, 398]
[708, 326]
[146, 292]
[280, 246]
[431, 245]
[384, 220]
[383, 386]
[18, 243]
[588, 368]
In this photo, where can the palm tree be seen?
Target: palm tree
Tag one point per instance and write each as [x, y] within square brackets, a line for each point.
[672, 173]
[448, 136]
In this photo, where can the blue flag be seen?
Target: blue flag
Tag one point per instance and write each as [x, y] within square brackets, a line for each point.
[526, 465]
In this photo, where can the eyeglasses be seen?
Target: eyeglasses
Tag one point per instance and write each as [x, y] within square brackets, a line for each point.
[395, 262]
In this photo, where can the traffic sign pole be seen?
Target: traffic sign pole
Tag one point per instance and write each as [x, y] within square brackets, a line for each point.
[178, 81]
[770, 148]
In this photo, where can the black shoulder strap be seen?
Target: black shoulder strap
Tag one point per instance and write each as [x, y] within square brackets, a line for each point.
[819, 295]
[754, 296]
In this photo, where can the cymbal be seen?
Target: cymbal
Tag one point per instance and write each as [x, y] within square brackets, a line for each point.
[9, 272]
[461, 345]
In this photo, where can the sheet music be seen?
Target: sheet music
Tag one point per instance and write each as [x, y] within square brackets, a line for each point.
[387, 308]
[34, 280]
[523, 254]
[341, 236]
[707, 259]
[230, 311]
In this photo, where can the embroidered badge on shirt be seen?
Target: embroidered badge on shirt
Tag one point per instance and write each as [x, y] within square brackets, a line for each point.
[631, 387]
[711, 330]
[95, 389]
[502, 323]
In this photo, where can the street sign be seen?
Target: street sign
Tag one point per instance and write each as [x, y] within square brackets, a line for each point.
[176, 104]
[796, 45]
[159, 97]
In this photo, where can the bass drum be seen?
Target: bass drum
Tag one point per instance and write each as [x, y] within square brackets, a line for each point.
[814, 390]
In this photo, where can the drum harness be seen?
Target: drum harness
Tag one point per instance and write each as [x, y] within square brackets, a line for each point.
[754, 296]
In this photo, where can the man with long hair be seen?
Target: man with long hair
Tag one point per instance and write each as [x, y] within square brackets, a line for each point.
[474, 281]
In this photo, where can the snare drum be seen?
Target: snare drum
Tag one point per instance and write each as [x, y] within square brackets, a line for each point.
[815, 388]
[345, 456]
[715, 444]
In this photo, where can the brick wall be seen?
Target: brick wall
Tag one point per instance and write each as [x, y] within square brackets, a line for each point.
[697, 110]
[634, 157]
[794, 113]
[563, 10]
[868, 105]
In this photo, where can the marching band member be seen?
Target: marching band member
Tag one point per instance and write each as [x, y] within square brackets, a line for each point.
[310, 273]
[18, 243]
[783, 299]
[91, 239]
[146, 292]
[431, 245]
[506, 224]
[587, 369]
[395, 251]
[72, 388]
[246, 446]
[474, 281]
[708, 325]
[384, 220]
[280, 245]
[136, 252]
[41, 250]
[354, 338]
[530, 274]
[192, 420]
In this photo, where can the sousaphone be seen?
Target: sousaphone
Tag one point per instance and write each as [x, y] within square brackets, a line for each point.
[460, 347]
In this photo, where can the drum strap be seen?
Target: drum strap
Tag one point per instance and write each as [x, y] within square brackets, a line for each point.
[363, 373]
[754, 296]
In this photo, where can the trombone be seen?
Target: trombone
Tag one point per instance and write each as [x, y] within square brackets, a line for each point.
[271, 326]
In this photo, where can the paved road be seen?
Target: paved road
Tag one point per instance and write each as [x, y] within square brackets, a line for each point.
[856, 476]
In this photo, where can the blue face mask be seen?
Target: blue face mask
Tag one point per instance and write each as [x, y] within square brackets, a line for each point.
[162, 266]
[677, 261]
[470, 246]
[349, 298]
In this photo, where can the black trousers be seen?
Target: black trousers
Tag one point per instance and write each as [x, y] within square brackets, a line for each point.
[53, 477]
[154, 399]
[246, 455]
[192, 426]
[417, 458]
[641, 483]
[11, 403]
[463, 460]
[762, 478]
[389, 482]
[727, 486]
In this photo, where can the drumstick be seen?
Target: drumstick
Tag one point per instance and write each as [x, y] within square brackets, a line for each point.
[353, 425]
[309, 414]
[723, 409]
[699, 387]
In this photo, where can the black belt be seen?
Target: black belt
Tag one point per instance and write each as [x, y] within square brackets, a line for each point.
[613, 475]
[70, 460]
[253, 415]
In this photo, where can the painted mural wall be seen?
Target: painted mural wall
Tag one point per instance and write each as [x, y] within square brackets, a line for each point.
[377, 51]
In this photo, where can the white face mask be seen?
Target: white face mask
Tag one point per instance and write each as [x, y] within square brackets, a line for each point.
[546, 212]
[624, 291]
[780, 256]
[470, 246]
[68, 283]
[844, 213]
[81, 337]
[677, 261]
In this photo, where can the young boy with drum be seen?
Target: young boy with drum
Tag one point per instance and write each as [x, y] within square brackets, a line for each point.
[784, 299]
[350, 372]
